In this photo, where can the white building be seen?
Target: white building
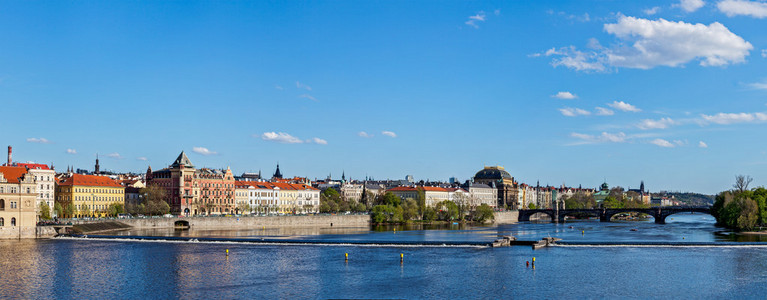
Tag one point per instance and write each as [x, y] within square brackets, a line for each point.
[45, 179]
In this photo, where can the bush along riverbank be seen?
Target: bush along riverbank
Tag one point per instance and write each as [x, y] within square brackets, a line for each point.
[390, 209]
[741, 209]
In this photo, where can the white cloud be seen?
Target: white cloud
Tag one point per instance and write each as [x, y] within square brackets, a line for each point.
[605, 137]
[364, 134]
[656, 124]
[645, 44]
[572, 58]
[281, 137]
[303, 86]
[497, 12]
[756, 9]
[389, 134]
[651, 11]
[307, 96]
[278, 87]
[71, 151]
[479, 17]
[601, 111]
[732, 118]
[662, 143]
[759, 85]
[142, 158]
[690, 5]
[564, 95]
[623, 106]
[764, 53]
[115, 155]
[39, 140]
[572, 112]
[702, 144]
[203, 151]
[318, 141]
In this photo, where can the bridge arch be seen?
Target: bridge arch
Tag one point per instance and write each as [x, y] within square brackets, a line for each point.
[581, 212]
[181, 224]
[610, 214]
[669, 212]
[525, 214]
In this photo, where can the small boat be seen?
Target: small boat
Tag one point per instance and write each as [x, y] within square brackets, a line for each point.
[571, 227]
[634, 229]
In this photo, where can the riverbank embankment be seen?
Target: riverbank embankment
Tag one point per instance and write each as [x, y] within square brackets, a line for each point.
[239, 222]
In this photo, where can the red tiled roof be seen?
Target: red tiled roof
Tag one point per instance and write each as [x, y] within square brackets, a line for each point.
[34, 166]
[90, 180]
[12, 174]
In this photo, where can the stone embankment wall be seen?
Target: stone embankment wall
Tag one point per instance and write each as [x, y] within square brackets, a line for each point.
[26, 232]
[248, 222]
[506, 217]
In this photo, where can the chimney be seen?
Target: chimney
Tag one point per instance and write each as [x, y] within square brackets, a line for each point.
[9, 155]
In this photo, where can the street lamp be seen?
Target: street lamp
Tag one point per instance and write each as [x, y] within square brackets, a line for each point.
[93, 205]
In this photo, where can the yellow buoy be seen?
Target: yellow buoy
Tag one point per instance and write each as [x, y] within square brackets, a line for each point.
[401, 257]
[346, 257]
[227, 252]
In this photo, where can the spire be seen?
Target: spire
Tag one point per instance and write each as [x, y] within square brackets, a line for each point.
[343, 175]
[97, 171]
[277, 174]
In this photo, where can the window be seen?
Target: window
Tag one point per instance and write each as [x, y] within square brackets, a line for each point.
[2, 204]
[13, 221]
[13, 204]
[2, 222]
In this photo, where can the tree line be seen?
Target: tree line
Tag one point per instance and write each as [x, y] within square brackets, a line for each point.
[389, 208]
[741, 208]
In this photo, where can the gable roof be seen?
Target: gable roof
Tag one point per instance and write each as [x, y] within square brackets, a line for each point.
[12, 174]
[90, 180]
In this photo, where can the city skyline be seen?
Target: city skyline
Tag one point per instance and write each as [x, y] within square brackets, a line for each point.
[669, 92]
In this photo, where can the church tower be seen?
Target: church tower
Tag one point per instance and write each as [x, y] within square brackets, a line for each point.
[97, 171]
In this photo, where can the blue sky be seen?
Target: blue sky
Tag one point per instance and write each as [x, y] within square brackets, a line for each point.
[672, 93]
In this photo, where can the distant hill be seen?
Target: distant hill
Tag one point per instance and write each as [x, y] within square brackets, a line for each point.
[692, 199]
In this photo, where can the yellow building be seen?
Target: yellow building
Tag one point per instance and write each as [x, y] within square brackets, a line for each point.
[17, 203]
[91, 195]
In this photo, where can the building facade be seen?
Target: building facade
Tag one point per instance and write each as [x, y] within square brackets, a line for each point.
[18, 198]
[91, 195]
[503, 182]
[190, 191]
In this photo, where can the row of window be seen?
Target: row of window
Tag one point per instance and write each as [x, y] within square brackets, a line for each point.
[2, 222]
[88, 198]
[100, 191]
[14, 190]
[13, 204]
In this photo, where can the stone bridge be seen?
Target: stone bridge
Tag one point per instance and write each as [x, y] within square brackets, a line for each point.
[605, 214]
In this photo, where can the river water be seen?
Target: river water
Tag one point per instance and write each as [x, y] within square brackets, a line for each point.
[115, 268]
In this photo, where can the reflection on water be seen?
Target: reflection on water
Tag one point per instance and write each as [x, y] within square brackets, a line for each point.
[61, 268]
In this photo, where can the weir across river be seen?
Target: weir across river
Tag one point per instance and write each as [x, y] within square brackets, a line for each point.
[605, 214]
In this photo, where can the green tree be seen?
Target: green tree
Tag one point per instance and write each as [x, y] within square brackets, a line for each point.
[45, 211]
[391, 199]
[84, 211]
[447, 210]
[115, 209]
[484, 213]
[430, 214]
[58, 209]
[531, 206]
[612, 202]
[69, 210]
[379, 214]
[421, 201]
[410, 209]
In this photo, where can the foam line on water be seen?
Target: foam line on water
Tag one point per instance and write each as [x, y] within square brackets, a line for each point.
[277, 243]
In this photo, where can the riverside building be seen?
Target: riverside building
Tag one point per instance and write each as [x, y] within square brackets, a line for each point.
[191, 191]
[18, 195]
[91, 195]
